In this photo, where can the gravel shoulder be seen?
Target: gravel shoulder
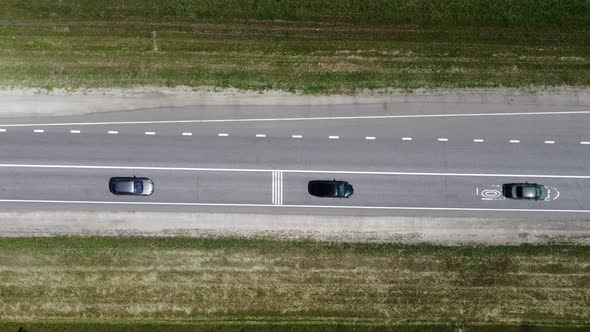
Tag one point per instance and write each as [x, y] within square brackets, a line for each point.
[59, 102]
[446, 231]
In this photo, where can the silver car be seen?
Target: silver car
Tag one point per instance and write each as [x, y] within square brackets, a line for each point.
[131, 186]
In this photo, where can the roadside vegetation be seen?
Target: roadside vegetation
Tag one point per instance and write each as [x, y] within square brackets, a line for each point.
[313, 46]
[231, 284]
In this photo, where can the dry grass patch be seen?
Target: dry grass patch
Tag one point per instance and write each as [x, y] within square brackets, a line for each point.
[273, 281]
[304, 56]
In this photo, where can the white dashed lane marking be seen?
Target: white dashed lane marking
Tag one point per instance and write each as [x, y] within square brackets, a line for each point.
[332, 137]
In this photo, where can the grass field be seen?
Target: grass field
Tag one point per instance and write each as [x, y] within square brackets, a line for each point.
[312, 46]
[170, 284]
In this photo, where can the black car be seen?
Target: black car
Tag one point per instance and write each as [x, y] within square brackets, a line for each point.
[131, 186]
[524, 191]
[330, 188]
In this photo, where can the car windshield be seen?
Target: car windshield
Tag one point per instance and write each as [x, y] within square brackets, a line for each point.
[518, 191]
[340, 189]
[137, 186]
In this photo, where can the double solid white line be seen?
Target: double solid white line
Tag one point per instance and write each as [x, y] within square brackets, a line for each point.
[277, 188]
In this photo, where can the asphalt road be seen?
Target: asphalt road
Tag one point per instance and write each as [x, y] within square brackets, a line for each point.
[403, 159]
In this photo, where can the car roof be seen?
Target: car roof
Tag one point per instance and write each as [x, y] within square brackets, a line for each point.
[125, 185]
[529, 191]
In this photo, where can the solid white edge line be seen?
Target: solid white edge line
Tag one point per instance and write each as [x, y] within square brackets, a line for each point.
[296, 136]
[370, 138]
[349, 207]
[261, 135]
[187, 134]
[368, 117]
[38, 131]
[223, 134]
[478, 140]
[406, 138]
[514, 141]
[301, 171]
[112, 132]
[74, 131]
[281, 188]
[442, 139]
[273, 188]
[549, 142]
[150, 132]
[334, 137]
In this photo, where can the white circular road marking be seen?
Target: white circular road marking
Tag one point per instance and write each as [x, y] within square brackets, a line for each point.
[490, 193]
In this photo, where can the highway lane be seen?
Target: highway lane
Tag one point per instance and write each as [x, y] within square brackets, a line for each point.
[315, 149]
[260, 191]
[457, 139]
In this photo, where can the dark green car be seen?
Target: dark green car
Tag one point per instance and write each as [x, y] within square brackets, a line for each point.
[525, 191]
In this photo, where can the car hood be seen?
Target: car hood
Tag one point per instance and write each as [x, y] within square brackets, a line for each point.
[544, 192]
[349, 191]
[148, 187]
